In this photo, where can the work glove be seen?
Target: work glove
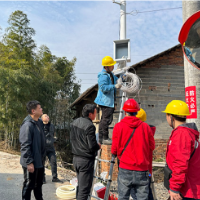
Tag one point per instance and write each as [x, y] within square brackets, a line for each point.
[118, 85]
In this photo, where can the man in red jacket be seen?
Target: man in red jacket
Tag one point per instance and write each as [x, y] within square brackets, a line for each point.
[183, 153]
[132, 143]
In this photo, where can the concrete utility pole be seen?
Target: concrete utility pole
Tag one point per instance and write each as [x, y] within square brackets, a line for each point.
[122, 36]
[122, 18]
[192, 75]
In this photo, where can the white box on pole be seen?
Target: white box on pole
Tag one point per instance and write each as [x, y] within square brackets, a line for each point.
[122, 50]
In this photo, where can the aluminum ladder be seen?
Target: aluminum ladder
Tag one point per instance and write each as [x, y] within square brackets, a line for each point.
[108, 180]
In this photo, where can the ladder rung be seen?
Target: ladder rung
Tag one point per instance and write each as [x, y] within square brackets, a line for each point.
[97, 177]
[99, 159]
[96, 197]
[118, 111]
[104, 180]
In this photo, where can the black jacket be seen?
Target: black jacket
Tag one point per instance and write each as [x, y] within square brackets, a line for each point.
[83, 138]
[49, 136]
[32, 142]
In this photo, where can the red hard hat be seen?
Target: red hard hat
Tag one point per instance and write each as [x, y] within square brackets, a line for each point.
[131, 106]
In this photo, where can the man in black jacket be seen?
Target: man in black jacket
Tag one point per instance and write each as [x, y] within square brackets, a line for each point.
[49, 131]
[84, 149]
[32, 142]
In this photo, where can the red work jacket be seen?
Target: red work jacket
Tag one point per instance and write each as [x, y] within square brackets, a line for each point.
[137, 154]
[185, 171]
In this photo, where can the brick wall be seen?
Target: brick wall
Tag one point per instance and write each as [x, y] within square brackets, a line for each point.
[174, 57]
[160, 149]
[106, 155]
[162, 82]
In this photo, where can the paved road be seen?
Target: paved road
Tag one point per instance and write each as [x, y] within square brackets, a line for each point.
[11, 179]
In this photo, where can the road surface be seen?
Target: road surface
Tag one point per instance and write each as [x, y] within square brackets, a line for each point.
[11, 180]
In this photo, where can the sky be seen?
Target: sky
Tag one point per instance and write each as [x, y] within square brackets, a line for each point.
[86, 30]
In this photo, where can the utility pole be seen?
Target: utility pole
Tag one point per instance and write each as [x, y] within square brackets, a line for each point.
[122, 4]
[123, 20]
[192, 75]
[122, 36]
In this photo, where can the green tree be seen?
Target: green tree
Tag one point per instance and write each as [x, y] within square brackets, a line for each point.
[50, 80]
[61, 115]
[14, 84]
[19, 36]
[27, 74]
[16, 62]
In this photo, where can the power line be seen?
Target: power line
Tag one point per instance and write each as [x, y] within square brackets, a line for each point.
[135, 12]
[86, 73]
[88, 79]
[88, 83]
[99, 54]
[160, 10]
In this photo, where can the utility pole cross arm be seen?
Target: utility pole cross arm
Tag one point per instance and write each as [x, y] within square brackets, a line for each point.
[116, 2]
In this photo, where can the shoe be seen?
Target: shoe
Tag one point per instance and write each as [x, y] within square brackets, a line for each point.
[57, 180]
[44, 180]
[107, 141]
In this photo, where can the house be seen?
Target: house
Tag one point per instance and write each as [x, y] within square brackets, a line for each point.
[162, 81]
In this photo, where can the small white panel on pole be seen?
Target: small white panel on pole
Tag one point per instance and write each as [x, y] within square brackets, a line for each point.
[122, 50]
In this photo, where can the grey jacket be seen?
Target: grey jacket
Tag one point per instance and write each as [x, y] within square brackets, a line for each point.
[32, 142]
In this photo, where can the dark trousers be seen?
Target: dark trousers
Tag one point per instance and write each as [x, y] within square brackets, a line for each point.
[133, 190]
[84, 169]
[52, 159]
[106, 120]
[150, 196]
[32, 181]
[135, 181]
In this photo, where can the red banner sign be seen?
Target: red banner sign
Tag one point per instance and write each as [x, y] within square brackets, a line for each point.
[191, 100]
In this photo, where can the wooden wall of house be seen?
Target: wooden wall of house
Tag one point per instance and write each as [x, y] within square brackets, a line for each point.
[87, 100]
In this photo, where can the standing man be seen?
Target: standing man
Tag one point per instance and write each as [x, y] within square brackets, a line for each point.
[32, 142]
[107, 83]
[133, 142]
[49, 131]
[84, 149]
[183, 154]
